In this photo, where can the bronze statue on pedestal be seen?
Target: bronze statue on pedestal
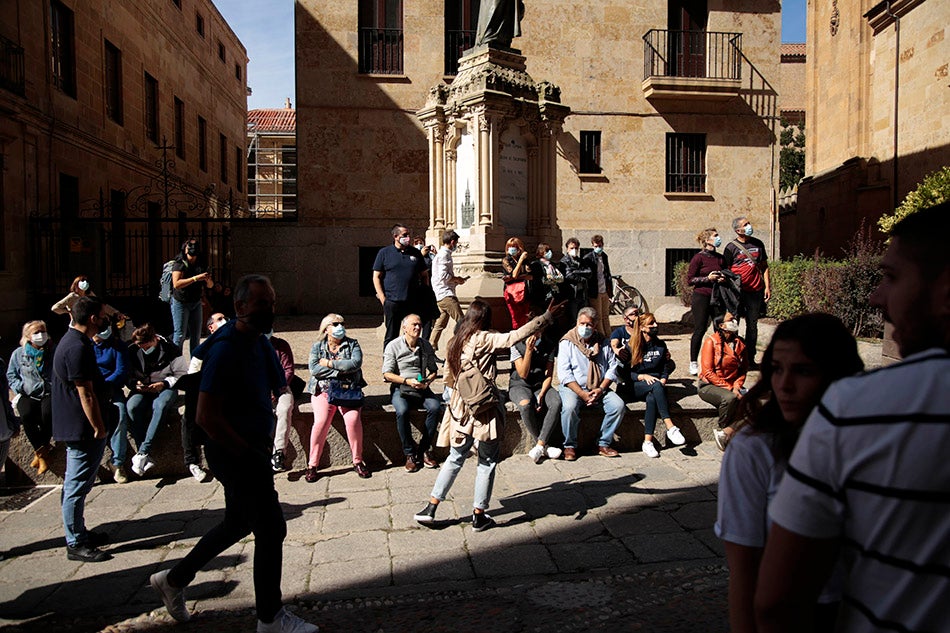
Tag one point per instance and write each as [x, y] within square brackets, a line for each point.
[499, 21]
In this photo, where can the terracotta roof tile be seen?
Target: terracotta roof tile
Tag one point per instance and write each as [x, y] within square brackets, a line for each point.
[793, 50]
[272, 120]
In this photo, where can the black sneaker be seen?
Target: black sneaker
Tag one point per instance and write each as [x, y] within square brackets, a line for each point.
[97, 539]
[481, 521]
[87, 554]
[427, 514]
[277, 461]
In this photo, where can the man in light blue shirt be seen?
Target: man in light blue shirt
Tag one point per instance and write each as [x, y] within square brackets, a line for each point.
[586, 367]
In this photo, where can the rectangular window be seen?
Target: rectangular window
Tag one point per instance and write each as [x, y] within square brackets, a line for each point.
[288, 177]
[63, 48]
[179, 128]
[461, 22]
[151, 108]
[590, 152]
[113, 63]
[221, 54]
[200, 24]
[237, 71]
[685, 163]
[380, 37]
[202, 144]
[223, 156]
[238, 169]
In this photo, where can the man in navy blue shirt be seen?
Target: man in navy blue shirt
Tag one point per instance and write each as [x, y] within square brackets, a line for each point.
[81, 405]
[239, 373]
[398, 271]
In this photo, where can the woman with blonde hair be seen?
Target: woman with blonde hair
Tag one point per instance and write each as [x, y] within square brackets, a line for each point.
[30, 374]
[646, 376]
[515, 265]
[336, 382]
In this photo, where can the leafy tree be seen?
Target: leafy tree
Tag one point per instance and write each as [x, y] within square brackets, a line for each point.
[934, 189]
[791, 161]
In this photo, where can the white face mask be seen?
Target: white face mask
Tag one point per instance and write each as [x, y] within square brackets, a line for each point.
[572, 252]
[548, 254]
[83, 285]
[747, 230]
[730, 326]
[220, 323]
[404, 241]
[39, 338]
[584, 331]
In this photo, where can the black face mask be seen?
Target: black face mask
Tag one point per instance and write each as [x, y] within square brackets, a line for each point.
[191, 250]
[262, 320]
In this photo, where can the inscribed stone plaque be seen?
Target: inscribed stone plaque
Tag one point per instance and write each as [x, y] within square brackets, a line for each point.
[513, 182]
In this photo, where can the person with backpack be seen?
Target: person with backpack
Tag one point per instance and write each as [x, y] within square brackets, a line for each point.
[190, 277]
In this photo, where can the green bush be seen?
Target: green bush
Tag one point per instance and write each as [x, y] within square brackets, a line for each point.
[933, 189]
[786, 282]
[683, 289]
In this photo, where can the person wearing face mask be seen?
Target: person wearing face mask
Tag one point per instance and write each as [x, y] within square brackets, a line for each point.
[515, 265]
[645, 379]
[547, 279]
[576, 276]
[426, 301]
[334, 357]
[601, 286]
[399, 271]
[586, 367]
[81, 288]
[444, 282]
[746, 257]
[239, 376]
[155, 365]
[112, 359]
[704, 272]
[190, 277]
[722, 373]
[29, 376]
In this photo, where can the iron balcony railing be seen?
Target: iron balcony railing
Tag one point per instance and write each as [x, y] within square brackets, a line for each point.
[700, 54]
[381, 51]
[12, 77]
[456, 43]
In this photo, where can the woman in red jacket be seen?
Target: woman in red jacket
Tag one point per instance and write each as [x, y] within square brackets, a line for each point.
[723, 367]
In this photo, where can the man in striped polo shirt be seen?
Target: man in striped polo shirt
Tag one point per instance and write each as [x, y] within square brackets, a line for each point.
[869, 480]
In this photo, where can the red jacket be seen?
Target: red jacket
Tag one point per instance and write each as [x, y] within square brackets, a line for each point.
[723, 365]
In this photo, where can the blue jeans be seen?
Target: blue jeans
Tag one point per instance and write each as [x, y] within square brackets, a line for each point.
[186, 319]
[146, 412]
[82, 465]
[119, 441]
[655, 397]
[571, 405]
[402, 405]
[484, 476]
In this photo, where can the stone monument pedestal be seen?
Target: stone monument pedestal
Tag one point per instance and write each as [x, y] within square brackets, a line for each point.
[492, 162]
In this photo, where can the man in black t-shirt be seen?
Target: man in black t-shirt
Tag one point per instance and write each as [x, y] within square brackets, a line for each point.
[398, 271]
[80, 407]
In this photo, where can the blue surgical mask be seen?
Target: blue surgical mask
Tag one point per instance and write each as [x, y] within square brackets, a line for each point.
[548, 254]
[717, 241]
[83, 285]
[598, 249]
[105, 334]
[584, 331]
[748, 230]
[269, 334]
[338, 331]
[148, 351]
[512, 251]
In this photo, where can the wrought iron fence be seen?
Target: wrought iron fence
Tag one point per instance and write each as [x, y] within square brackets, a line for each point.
[705, 54]
[380, 51]
[12, 76]
[456, 43]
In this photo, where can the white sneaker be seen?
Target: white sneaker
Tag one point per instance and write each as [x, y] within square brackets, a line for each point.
[287, 622]
[553, 452]
[138, 464]
[537, 453]
[199, 473]
[173, 597]
[650, 450]
[693, 368]
[722, 438]
[674, 435]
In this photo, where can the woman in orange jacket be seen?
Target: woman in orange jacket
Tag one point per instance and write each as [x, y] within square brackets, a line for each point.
[722, 372]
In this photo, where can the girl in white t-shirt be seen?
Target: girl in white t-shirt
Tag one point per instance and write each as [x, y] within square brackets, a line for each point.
[806, 355]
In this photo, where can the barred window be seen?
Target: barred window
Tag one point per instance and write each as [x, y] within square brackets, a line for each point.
[380, 37]
[685, 163]
[461, 20]
[63, 48]
[590, 152]
[179, 128]
[151, 108]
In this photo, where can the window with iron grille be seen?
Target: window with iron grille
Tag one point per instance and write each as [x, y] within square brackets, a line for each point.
[63, 48]
[223, 156]
[200, 24]
[151, 108]
[179, 128]
[113, 69]
[590, 152]
[202, 144]
[288, 176]
[685, 163]
[461, 22]
[380, 37]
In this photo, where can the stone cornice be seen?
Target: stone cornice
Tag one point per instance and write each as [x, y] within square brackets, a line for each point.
[879, 18]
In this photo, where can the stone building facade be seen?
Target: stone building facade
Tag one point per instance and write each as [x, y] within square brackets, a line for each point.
[670, 132]
[879, 115]
[792, 96]
[89, 92]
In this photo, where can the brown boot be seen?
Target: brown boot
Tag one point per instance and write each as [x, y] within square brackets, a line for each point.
[36, 461]
[41, 454]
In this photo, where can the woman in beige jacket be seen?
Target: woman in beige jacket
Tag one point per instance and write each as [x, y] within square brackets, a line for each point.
[474, 344]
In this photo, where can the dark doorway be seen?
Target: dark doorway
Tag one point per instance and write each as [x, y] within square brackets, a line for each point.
[687, 24]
